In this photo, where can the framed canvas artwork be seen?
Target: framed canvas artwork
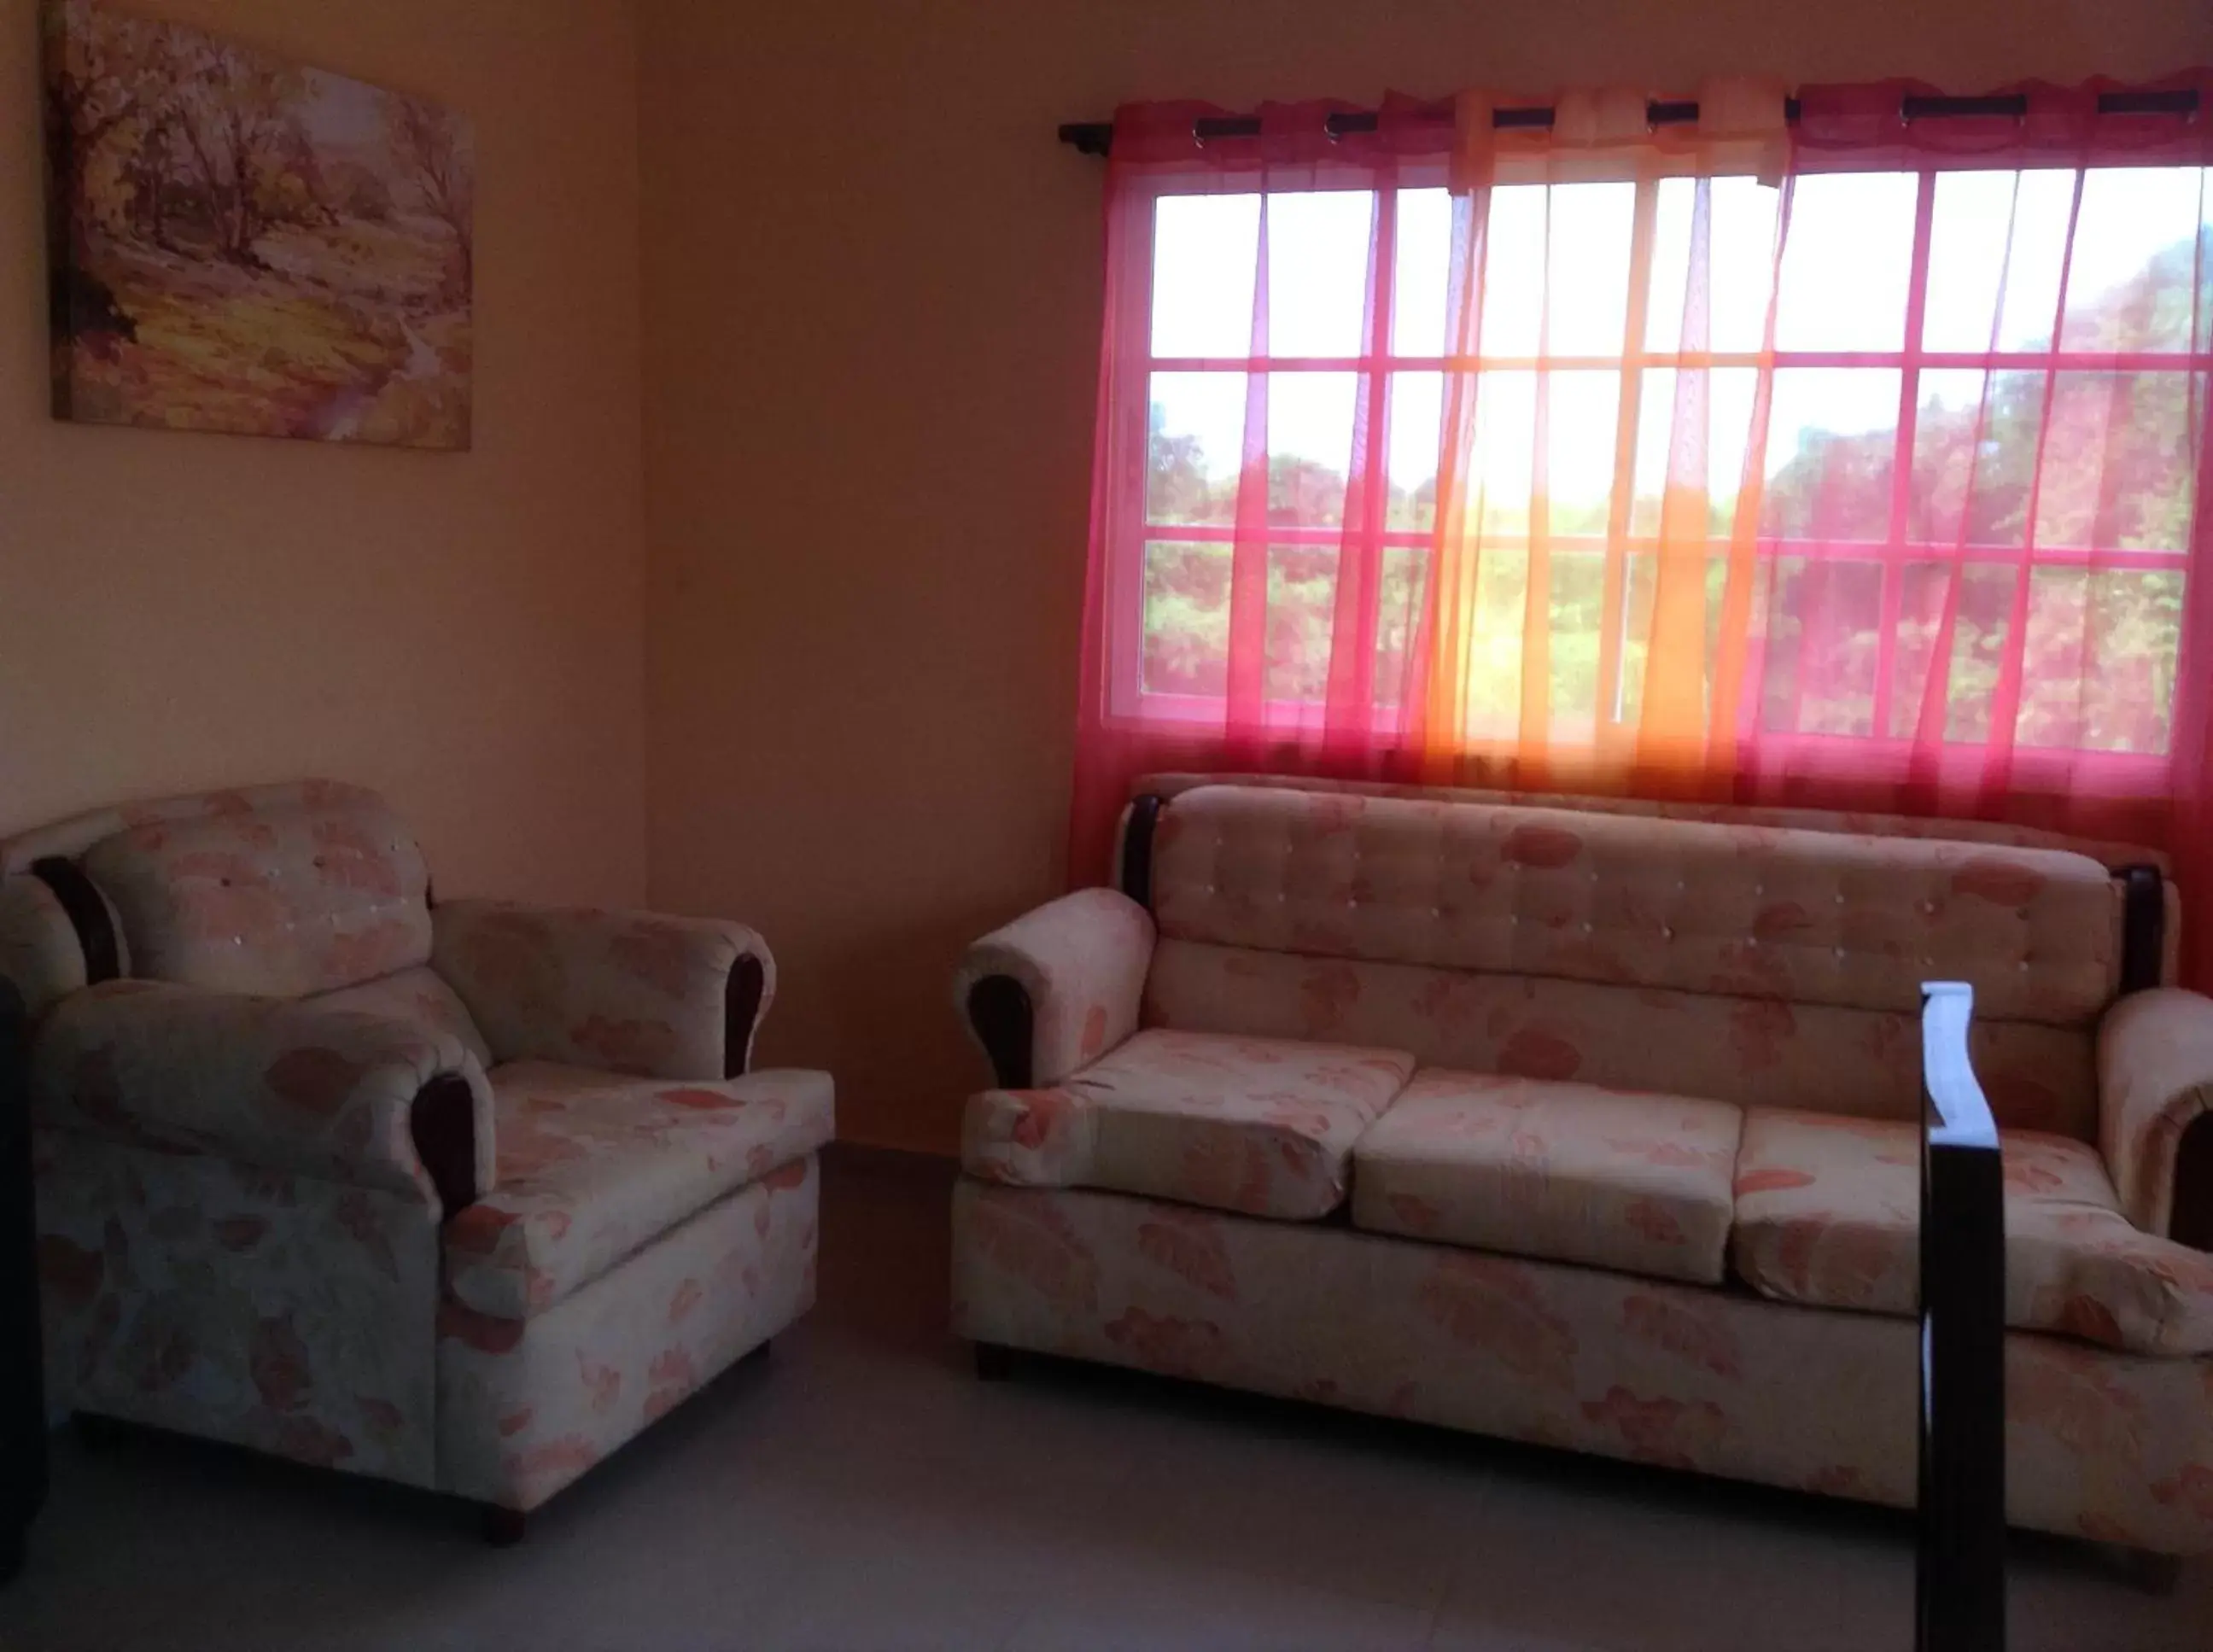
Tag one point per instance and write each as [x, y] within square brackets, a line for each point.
[240, 244]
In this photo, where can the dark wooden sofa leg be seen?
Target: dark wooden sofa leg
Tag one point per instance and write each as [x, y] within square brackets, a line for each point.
[760, 1353]
[502, 1527]
[995, 1363]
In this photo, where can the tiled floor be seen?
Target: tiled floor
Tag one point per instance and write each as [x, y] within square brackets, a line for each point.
[861, 1490]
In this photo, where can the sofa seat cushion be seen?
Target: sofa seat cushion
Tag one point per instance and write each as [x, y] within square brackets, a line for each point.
[594, 1166]
[1262, 1126]
[1569, 1172]
[1828, 1214]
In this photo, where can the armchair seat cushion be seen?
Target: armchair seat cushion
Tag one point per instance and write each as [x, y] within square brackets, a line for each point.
[1261, 1126]
[592, 1166]
[1827, 1213]
[1569, 1172]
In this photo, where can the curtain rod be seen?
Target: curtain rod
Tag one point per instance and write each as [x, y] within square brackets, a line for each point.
[1097, 137]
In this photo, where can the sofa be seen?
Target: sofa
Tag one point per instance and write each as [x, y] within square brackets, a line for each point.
[1596, 1124]
[461, 1194]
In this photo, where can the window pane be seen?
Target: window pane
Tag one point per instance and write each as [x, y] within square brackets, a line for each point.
[1318, 271]
[1577, 419]
[1982, 593]
[1204, 251]
[1995, 236]
[1557, 272]
[2136, 639]
[2098, 674]
[2137, 258]
[1422, 271]
[1974, 453]
[1588, 299]
[1848, 262]
[1824, 646]
[1832, 451]
[1670, 428]
[1491, 708]
[1740, 264]
[1417, 412]
[1514, 271]
[1186, 643]
[2117, 462]
[1302, 615]
[1406, 588]
[1195, 441]
[1309, 446]
[1576, 613]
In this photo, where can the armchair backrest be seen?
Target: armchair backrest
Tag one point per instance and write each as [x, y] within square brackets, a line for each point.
[279, 891]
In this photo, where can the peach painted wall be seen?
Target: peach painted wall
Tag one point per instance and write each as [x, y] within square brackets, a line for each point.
[872, 296]
[463, 631]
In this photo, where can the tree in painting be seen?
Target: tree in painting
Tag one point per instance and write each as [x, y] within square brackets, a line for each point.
[242, 245]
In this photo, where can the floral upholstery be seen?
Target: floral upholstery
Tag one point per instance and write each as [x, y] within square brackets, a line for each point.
[244, 1165]
[419, 997]
[1828, 1214]
[2098, 1444]
[240, 1302]
[1254, 1125]
[525, 1406]
[1640, 1183]
[271, 1083]
[628, 992]
[1082, 960]
[2155, 1072]
[593, 1166]
[1796, 917]
[1748, 1052]
[1856, 823]
[69, 839]
[275, 900]
[1546, 1223]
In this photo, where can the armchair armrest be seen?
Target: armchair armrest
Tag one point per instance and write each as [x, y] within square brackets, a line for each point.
[1058, 988]
[627, 993]
[2155, 1091]
[336, 1094]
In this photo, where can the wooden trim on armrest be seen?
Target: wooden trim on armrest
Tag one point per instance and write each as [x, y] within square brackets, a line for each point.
[1000, 1010]
[1137, 849]
[443, 1124]
[2143, 927]
[2191, 1222]
[80, 903]
[741, 1009]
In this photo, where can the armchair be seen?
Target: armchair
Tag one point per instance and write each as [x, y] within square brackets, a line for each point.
[462, 1195]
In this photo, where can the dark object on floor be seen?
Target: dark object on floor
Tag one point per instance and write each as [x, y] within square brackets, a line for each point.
[994, 1362]
[1960, 1579]
[502, 1527]
[22, 1389]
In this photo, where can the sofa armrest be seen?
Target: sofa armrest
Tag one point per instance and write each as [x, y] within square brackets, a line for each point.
[2155, 1093]
[44, 949]
[1058, 988]
[636, 993]
[278, 1084]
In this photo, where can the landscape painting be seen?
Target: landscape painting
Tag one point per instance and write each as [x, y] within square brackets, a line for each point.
[240, 244]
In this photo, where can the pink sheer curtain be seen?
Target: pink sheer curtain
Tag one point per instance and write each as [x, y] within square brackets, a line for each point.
[1266, 699]
[1980, 604]
[1977, 487]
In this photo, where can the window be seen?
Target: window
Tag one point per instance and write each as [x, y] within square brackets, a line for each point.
[1972, 446]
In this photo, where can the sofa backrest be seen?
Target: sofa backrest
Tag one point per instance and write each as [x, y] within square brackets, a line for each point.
[1750, 963]
[282, 891]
